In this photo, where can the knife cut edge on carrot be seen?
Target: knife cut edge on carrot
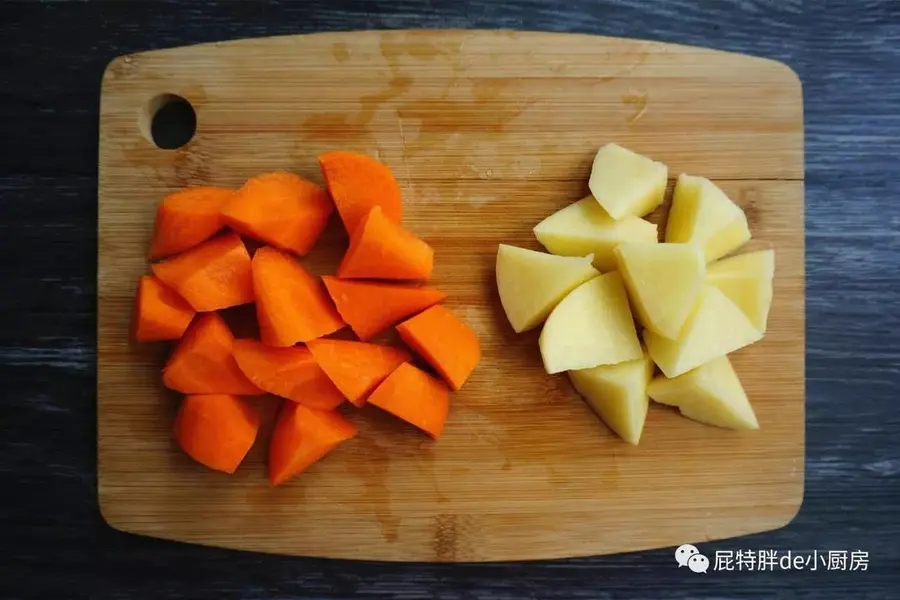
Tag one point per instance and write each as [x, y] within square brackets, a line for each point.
[216, 430]
[290, 373]
[160, 313]
[357, 183]
[356, 368]
[382, 249]
[302, 436]
[370, 307]
[186, 218]
[281, 209]
[292, 306]
[202, 362]
[212, 276]
[414, 396]
[445, 341]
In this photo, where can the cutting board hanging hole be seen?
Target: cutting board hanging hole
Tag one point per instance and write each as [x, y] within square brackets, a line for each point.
[168, 121]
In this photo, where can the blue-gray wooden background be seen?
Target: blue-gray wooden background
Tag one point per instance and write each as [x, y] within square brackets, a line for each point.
[53, 543]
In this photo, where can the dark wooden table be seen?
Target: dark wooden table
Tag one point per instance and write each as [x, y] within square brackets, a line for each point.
[53, 543]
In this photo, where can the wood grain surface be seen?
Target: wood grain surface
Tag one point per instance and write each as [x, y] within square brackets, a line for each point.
[55, 542]
[488, 132]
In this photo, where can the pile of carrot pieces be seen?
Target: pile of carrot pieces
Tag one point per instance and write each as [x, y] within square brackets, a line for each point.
[201, 265]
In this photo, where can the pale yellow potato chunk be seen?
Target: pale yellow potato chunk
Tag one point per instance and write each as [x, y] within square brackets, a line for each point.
[703, 214]
[532, 283]
[728, 239]
[583, 228]
[618, 394]
[591, 326]
[626, 183]
[711, 394]
[747, 281]
[663, 281]
[715, 328]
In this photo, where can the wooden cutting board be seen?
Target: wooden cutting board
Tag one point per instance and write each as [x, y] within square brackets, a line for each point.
[488, 133]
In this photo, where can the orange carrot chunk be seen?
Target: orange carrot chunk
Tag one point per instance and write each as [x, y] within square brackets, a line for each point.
[370, 308]
[291, 373]
[414, 396]
[216, 430]
[211, 276]
[382, 249]
[301, 437]
[202, 362]
[445, 341]
[356, 368]
[160, 314]
[291, 305]
[357, 183]
[187, 218]
[281, 209]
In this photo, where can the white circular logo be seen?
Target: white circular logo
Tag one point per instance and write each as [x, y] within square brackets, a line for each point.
[698, 563]
[684, 553]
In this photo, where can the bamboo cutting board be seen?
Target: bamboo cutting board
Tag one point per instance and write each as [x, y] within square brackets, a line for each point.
[488, 133]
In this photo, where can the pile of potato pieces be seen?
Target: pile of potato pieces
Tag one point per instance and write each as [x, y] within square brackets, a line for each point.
[606, 269]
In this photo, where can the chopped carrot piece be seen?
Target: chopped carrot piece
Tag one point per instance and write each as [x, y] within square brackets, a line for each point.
[187, 218]
[291, 373]
[369, 307]
[382, 249]
[160, 314]
[356, 368]
[414, 396]
[202, 362]
[281, 209]
[211, 276]
[302, 436]
[216, 430]
[357, 183]
[445, 341]
[291, 305]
